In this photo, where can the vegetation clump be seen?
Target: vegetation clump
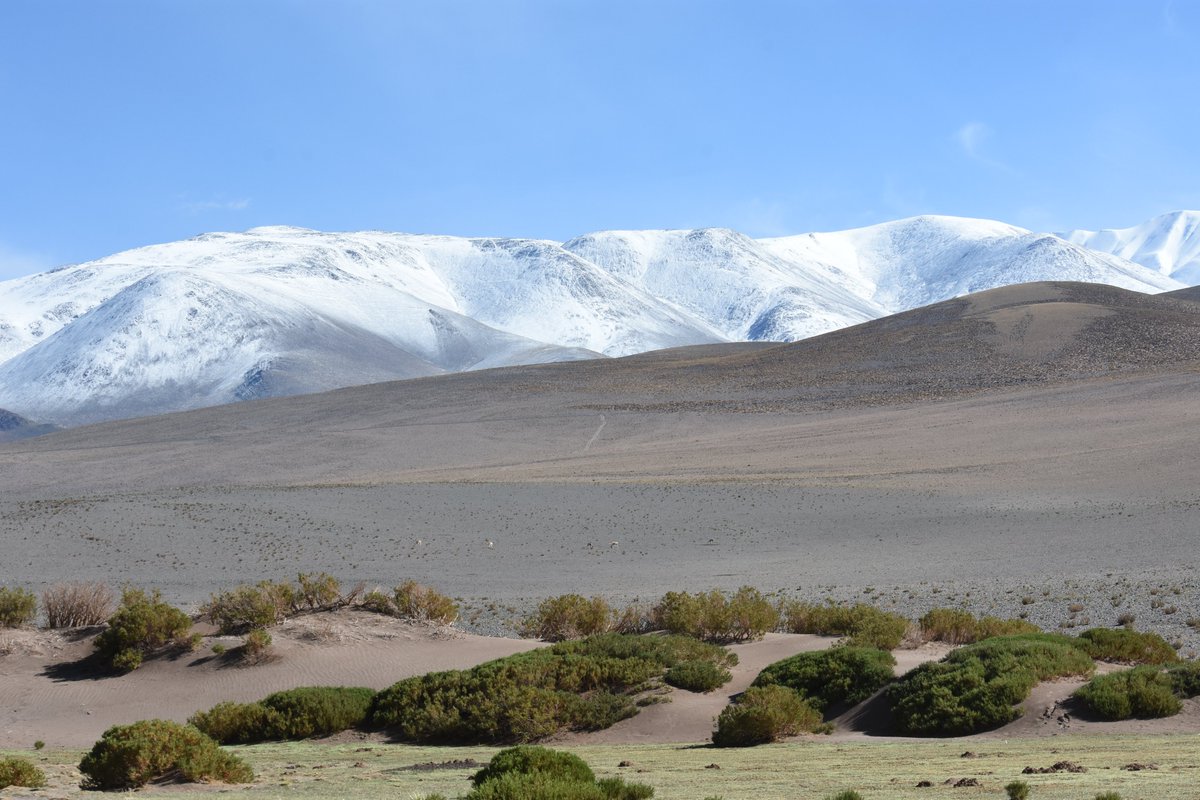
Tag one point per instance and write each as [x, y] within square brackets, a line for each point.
[863, 625]
[17, 607]
[587, 684]
[716, 617]
[129, 756]
[697, 675]
[957, 626]
[1144, 692]
[142, 626]
[977, 687]
[536, 773]
[293, 714]
[568, 616]
[1126, 646]
[828, 677]
[76, 605]
[20, 772]
[764, 714]
[417, 601]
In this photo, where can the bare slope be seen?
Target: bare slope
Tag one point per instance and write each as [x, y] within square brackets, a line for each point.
[998, 442]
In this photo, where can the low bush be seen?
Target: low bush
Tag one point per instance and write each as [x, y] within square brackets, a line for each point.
[20, 772]
[764, 714]
[1017, 790]
[715, 616]
[414, 600]
[697, 676]
[586, 684]
[531, 759]
[828, 677]
[864, 625]
[256, 646]
[142, 626]
[17, 607]
[977, 687]
[293, 714]
[129, 756]
[316, 592]
[1144, 692]
[246, 608]
[568, 616]
[538, 773]
[77, 605]
[956, 626]
[1126, 646]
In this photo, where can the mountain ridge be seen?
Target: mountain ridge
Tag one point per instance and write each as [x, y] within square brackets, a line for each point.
[279, 310]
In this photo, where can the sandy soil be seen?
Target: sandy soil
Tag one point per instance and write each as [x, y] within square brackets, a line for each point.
[44, 695]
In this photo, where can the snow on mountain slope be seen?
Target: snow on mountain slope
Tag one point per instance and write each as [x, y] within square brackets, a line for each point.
[730, 281]
[1168, 244]
[280, 310]
[921, 260]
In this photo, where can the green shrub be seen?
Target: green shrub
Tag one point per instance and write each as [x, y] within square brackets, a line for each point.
[378, 601]
[828, 677]
[697, 676]
[256, 646]
[568, 616]
[537, 773]
[129, 756]
[320, 710]
[1145, 692]
[239, 723]
[416, 601]
[866, 626]
[1127, 646]
[293, 714]
[977, 687]
[1185, 678]
[17, 607]
[20, 772]
[956, 626]
[141, 626]
[1017, 790]
[716, 617]
[531, 759]
[764, 714]
[586, 684]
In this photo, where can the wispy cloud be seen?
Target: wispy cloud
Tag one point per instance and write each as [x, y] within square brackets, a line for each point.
[199, 206]
[972, 138]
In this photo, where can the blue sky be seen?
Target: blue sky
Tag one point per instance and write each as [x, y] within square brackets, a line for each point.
[128, 123]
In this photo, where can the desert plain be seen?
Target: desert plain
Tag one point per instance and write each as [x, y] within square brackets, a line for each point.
[1025, 451]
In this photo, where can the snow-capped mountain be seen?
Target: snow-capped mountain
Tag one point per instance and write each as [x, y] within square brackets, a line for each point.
[277, 310]
[1168, 244]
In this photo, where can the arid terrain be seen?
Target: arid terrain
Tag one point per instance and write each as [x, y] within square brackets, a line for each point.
[1025, 451]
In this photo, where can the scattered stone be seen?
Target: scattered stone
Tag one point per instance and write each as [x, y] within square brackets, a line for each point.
[458, 763]
[360, 764]
[969, 754]
[924, 784]
[1058, 766]
[1138, 767]
[713, 766]
[964, 782]
[625, 764]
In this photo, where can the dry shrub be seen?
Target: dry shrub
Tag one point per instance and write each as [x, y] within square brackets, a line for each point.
[77, 605]
[568, 616]
[417, 601]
